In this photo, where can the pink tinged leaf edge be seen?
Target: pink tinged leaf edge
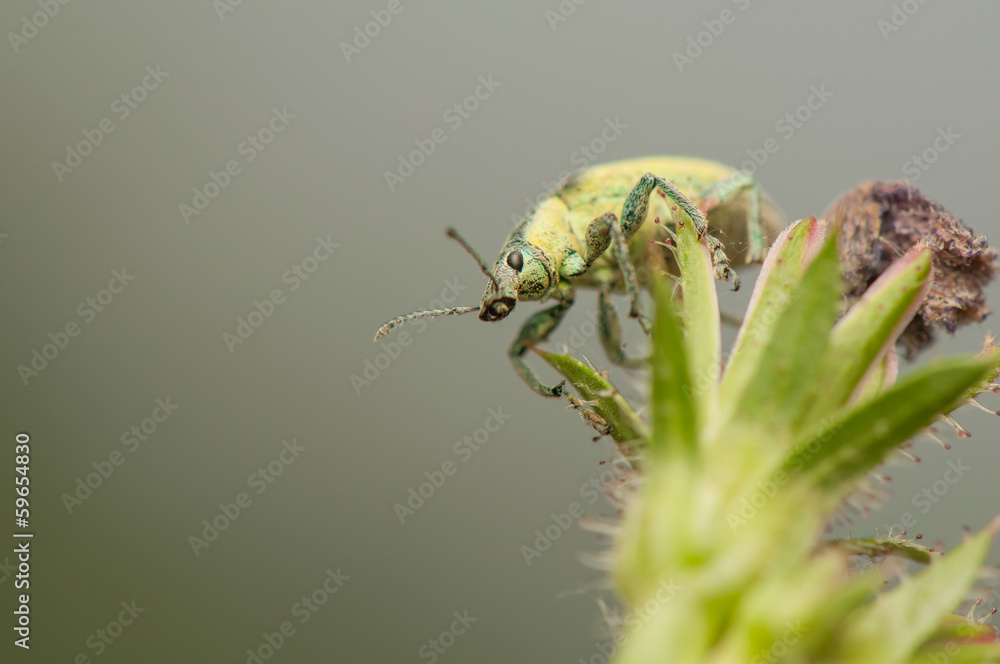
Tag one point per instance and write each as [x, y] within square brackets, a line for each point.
[815, 235]
[892, 273]
[891, 367]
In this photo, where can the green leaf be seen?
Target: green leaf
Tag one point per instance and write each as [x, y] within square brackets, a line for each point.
[906, 616]
[841, 450]
[880, 547]
[881, 377]
[700, 313]
[871, 327]
[780, 276]
[675, 423]
[990, 353]
[785, 382]
[601, 395]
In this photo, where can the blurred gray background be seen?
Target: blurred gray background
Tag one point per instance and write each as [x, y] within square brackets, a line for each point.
[117, 114]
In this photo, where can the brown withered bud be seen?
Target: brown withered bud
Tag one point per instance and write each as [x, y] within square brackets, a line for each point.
[880, 221]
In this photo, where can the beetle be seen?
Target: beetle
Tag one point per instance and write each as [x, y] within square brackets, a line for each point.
[592, 229]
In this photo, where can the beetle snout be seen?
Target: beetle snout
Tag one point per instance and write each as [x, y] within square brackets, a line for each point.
[497, 309]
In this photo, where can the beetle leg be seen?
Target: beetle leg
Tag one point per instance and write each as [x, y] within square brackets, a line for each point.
[603, 232]
[725, 191]
[637, 203]
[606, 231]
[611, 333]
[619, 246]
[590, 418]
[722, 270]
[609, 230]
[535, 330]
[598, 237]
[633, 213]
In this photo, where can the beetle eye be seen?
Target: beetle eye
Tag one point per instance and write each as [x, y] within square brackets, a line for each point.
[515, 260]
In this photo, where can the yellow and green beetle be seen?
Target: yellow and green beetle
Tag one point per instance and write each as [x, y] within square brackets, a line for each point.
[596, 226]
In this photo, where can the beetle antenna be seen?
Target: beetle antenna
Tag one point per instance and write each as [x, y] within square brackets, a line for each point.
[452, 233]
[433, 313]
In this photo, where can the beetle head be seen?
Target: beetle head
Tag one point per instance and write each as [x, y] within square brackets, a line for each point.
[521, 272]
[518, 274]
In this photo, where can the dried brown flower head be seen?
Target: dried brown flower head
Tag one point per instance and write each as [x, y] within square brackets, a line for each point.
[880, 221]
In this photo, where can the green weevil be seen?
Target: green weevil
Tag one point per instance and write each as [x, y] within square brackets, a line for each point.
[565, 242]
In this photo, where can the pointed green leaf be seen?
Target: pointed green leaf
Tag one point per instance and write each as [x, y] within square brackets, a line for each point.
[600, 395]
[785, 382]
[881, 377]
[700, 312]
[880, 547]
[841, 450]
[906, 616]
[674, 414]
[782, 272]
[991, 354]
[871, 327]
[967, 640]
